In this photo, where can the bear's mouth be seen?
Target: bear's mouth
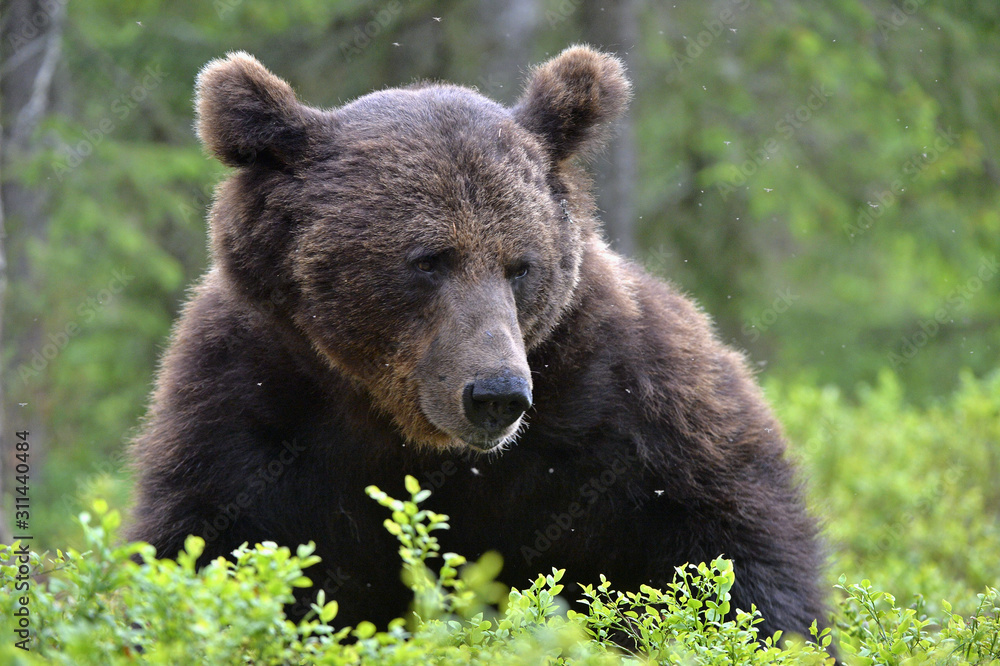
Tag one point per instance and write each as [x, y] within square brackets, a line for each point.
[485, 442]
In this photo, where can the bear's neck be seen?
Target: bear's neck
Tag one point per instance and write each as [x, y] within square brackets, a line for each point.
[597, 314]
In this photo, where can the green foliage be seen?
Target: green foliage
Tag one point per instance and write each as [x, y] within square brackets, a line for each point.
[447, 592]
[811, 173]
[908, 494]
[875, 631]
[688, 624]
[101, 606]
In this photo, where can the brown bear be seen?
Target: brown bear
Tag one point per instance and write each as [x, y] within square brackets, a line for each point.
[416, 283]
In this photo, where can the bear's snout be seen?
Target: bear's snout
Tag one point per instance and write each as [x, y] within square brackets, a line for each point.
[493, 403]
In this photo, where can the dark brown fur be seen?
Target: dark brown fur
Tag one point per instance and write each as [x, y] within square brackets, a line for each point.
[314, 359]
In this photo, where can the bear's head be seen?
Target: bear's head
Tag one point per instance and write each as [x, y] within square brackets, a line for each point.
[423, 239]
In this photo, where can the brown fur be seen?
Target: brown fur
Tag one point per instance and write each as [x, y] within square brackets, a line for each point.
[369, 263]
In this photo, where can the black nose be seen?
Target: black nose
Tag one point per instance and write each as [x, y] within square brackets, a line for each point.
[493, 403]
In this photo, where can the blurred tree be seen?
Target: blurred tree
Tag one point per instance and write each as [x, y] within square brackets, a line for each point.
[613, 26]
[30, 44]
[5, 533]
[508, 31]
[820, 175]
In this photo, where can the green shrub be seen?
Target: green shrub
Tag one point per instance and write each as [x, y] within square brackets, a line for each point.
[101, 607]
[909, 495]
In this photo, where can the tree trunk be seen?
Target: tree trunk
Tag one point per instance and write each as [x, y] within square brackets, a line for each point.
[5, 533]
[613, 27]
[30, 45]
[508, 30]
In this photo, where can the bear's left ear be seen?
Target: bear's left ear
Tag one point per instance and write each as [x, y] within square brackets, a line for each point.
[570, 100]
[247, 115]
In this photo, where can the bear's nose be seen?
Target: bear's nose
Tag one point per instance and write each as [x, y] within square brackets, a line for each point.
[493, 403]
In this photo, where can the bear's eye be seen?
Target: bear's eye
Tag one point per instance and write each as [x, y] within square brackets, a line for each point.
[518, 271]
[429, 263]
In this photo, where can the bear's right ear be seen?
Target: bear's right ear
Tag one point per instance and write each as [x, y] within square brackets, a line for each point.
[571, 100]
[247, 115]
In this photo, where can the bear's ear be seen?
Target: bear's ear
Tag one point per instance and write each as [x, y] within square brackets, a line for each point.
[570, 100]
[247, 115]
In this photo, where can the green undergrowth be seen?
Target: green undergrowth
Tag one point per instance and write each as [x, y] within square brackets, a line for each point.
[908, 495]
[101, 607]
